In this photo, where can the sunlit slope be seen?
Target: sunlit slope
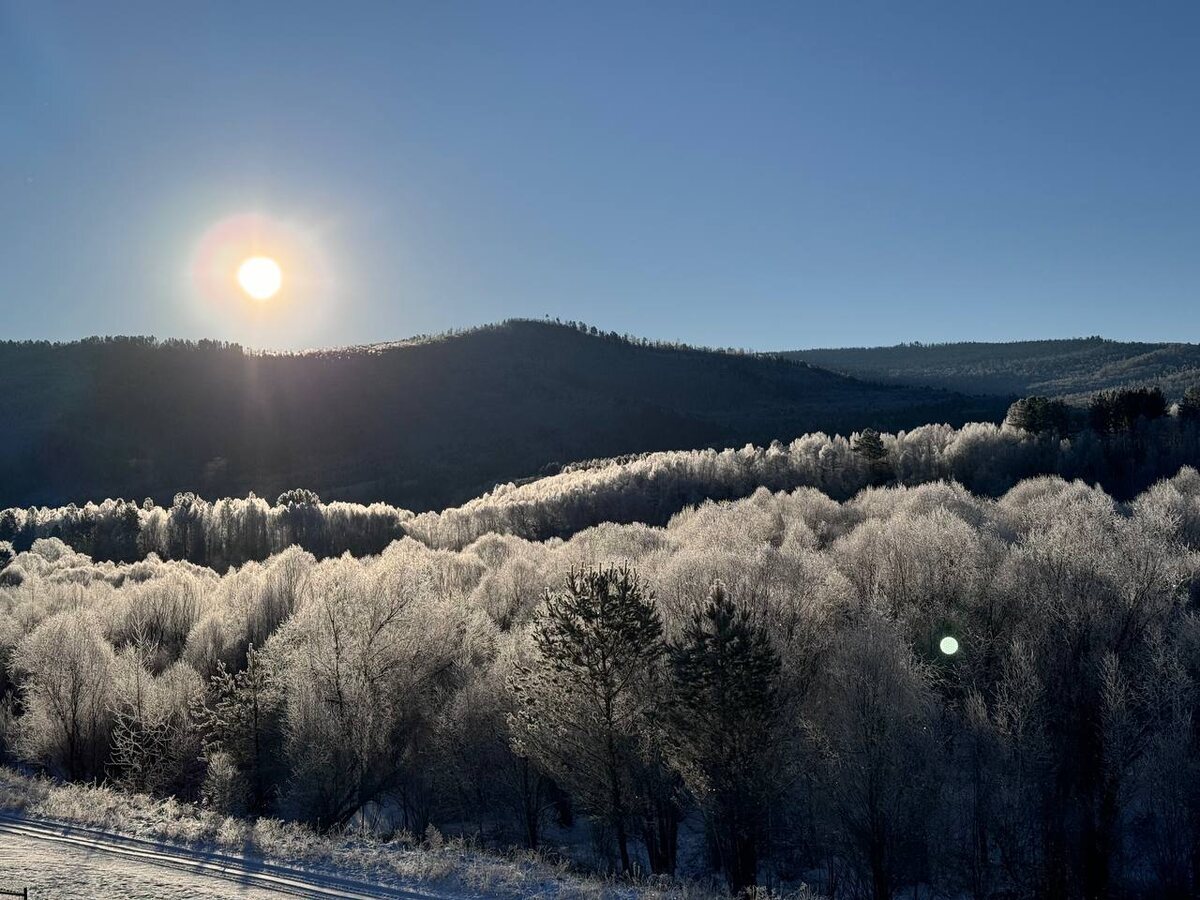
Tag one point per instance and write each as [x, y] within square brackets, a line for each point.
[423, 424]
[1062, 368]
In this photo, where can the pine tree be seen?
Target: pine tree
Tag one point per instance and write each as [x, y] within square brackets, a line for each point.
[869, 445]
[1039, 415]
[582, 700]
[1113, 412]
[725, 734]
[1189, 406]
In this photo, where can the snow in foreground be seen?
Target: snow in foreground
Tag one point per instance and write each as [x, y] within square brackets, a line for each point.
[52, 870]
[60, 855]
[63, 840]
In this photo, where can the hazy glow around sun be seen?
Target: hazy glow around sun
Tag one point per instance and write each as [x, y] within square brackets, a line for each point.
[264, 281]
[260, 277]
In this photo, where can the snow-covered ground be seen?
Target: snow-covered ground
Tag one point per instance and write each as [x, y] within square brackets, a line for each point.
[55, 860]
[87, 841]
[56, 870]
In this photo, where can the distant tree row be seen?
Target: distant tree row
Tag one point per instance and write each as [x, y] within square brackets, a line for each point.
[763, 678]
[1133, 443]
[220, 534]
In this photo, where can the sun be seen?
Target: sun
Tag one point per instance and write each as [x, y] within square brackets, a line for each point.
[260, 277]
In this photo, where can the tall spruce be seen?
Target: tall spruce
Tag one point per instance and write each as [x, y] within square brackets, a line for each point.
[724, 735]
[583, 699]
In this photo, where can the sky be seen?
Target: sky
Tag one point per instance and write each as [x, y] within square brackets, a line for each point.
[760, 175]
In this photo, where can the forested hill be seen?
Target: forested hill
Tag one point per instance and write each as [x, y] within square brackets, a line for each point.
[1063, 368]
[423, 424]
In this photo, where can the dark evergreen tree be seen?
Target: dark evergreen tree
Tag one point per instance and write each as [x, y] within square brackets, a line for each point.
[1039, 415]
[725, 734]
[583, 699]
[1189, 406]
[1114, 412]
[869, 445]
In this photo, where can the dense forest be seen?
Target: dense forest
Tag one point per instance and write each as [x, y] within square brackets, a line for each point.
[1063, 368]
[861, 675]
[423, 424]
[756, 690]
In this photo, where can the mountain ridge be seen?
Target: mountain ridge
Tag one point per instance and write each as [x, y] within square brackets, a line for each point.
[1071, 368]
[423, 424]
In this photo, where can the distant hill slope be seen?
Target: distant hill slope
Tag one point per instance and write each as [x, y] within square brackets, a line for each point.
[423, 424]
[1064, 368]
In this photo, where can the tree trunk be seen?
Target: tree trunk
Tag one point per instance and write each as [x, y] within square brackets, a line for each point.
[530, 796]
[742, 872]
[881, 881]
[622, 843]
[661, 836]
[617, 805]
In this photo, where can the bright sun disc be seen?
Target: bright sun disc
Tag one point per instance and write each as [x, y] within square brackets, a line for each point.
[949, 645]
[260, 277]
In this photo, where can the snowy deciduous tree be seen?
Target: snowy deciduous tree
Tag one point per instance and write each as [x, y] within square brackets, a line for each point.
[873, 726]
[154, 747]
[66, 669]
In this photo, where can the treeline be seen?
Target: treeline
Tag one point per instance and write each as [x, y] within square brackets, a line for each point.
[1125, 442]
[218, 534]
[762, 680]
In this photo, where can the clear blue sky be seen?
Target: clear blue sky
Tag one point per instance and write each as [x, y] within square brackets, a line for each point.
[743, 174]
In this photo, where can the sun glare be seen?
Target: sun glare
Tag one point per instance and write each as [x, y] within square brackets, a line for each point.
[260, 277]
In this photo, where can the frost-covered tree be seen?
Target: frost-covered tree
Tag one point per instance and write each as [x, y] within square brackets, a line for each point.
[65, 668]
[873, 734]
[365, 660]
[153, 745]
[240, 720]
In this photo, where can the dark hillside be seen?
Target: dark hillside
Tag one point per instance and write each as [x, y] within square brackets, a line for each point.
[422, 424]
